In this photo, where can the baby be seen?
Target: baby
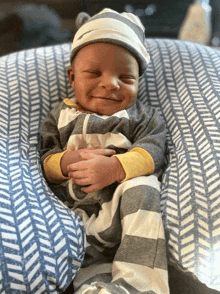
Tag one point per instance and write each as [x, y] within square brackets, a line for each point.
[103, 150]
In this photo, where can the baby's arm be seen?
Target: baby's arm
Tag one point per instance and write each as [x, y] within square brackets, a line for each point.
[145, 156]
[55, 164]
[96, 171]
[54, 160]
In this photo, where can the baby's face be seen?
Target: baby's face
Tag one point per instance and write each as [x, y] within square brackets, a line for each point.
[105, 78]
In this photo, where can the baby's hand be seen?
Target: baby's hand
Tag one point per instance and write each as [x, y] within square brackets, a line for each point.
[95, 172]
[75, 156]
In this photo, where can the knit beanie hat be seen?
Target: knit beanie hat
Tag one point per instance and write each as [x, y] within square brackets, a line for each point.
[108, 26]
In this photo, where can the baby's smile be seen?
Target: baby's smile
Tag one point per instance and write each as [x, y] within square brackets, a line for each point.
[107, 98]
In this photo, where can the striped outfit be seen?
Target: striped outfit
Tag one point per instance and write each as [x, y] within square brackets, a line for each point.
[126, 250]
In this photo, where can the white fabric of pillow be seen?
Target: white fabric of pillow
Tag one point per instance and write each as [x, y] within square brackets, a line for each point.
[41, 241]
[183, 81]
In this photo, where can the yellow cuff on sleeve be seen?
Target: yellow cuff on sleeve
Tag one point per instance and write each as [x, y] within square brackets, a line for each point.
[52, 168]
[136, 162]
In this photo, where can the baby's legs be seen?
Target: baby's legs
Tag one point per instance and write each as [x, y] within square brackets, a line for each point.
[133, 219]
[140, 261]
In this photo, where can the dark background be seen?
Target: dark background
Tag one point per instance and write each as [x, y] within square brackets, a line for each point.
[33, 23]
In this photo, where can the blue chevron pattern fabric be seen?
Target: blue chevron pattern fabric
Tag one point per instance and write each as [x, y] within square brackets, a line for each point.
[183, 81]
[41, 240]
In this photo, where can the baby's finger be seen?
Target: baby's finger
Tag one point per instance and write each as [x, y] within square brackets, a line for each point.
[100, 151]
[108, 152]
[90, 189]
[76, 166]
[78, 174]
[82, 182]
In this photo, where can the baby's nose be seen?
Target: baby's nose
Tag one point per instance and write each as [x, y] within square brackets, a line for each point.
[110, 83]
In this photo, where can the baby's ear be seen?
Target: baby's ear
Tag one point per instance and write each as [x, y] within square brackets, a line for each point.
[71, 76]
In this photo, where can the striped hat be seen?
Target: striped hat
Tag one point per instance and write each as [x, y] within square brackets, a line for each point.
[108, 26]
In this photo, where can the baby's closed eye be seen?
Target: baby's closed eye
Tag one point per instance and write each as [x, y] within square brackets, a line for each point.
[128, 78]
[92, 73]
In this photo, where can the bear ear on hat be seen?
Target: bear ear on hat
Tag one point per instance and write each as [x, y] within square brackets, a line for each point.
[81, 19]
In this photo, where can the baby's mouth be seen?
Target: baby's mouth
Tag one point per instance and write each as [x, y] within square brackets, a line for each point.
[107, 98]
